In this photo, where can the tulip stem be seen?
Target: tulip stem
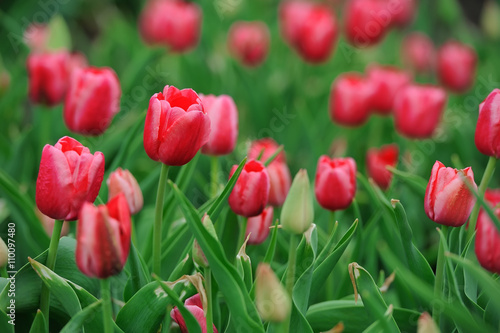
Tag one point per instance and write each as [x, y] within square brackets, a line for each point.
[214, 173]
[243, 229]
[290, 275]
[488, 173]
[439, 282]
[208, 289]
[50, 264]
[107, 311]
[159, 219]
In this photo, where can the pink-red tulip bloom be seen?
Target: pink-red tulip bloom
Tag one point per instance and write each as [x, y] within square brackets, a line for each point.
[487, 135]
[194, 305]
[366, 21]
[103, 238]
[69, 175]
[258, 226]
[487, 236]
[249, 42]
[387, 81]
[335, 182]
[176, 126]
[418, 53]
[456, 65]
[223, 116]
[376, 162]
[448, 200]
[122, 181]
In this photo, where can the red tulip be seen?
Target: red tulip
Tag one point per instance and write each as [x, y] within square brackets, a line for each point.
[92, 101]
[258, 226]
[456, 64]
[292, 17]
[417, 52]
[103, 238]
[176, 126]
[376, 162]
[48, 77]
[249, 42]
[487, 135]
[69, 175]
[36, 37]
[403, 11]
[418, 110]
[448, 200]
[350, 99]
[335, 183]
[386, 81]
[194, 305]
[251, 191]
[279, 173]
[366, 21]
[487, 236]
[174, 23]
[122, 181]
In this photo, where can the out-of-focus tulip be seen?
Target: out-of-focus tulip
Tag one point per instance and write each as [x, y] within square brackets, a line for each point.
[418, 110]
[426, 324]
[258, 226]
[223, 116]
[366, 21]
[174, 23]
[103, 238]
[4, 253]
[376, 162]
[297, 213]
[292, 15]
[350, 99]
[92, 100]
[271, 298]
[251, 191]
[417, 52]
[176, 126]
[198, 256]
[267, 147]
[36, 37]
[448, 200]
[487, 236]
[386, 81]
[487, 135]
[456, 65]
[195, 306]
[48, 223]
[122, 181]
[249, 42]
[335, 183]
[69, 175]
[402, 11]
[48, 77]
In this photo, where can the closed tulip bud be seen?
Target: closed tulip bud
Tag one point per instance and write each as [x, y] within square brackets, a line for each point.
[92, 101]
[265, 148]
[198, 256]
[48, 77]
[387, 81]
[487, 135]
[176, 126]
[297, 213]
[173, 23]
[103, 238]
[426, 324]
[251, 191]
[456, 65]
[487, 244]
[122, 181]
[376, 162]
[418, 53]
[4, 253]
[195, 306]
[418, 110]
[350, 99]
[292, 17]
[366, 22]
[448, 200]
[335, 183]
[223, 116]
[258, 226]
[249, 42]
[69, 175]
[271, 298]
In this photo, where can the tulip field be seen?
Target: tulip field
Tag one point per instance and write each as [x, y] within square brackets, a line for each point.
[249, 166]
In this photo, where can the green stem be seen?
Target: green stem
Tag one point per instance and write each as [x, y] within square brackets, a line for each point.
[107, 311]
[243, 229]
[290, 275]
[50, 263]
[488, 173]
[208, 289]
[214, 176]
[439, 282]
[3, 272]
[159, 219]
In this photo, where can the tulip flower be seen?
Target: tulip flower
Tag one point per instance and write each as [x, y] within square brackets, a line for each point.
[418, 110]
[194, 305]
[402, 11]
[487, 245]
[69, 175]
[335, 182]
[36, 37]
[48, 77]
[103, 238]
[487, 135]
[173, 23]
[376, 162]
[271, 298]
[366, 21]
[223, 116]
[176, 126]
[456, 65]
[92, 101]
[258, 226]
[297, 213]
[350, 99]
[387, 81]
[417, 52]
[292, 15]
[249, 42]
[122, 181]
[251, 191]
[448, 200]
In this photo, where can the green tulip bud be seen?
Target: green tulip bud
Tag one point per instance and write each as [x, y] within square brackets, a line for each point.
[198, 256]
[273, 301]
[297, 214]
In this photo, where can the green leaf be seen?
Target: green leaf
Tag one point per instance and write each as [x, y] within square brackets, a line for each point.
[59, 36]
[268, 258]
[5, 326]
[139, 273]
[39, 324]
[77, 321]
[415, 181]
